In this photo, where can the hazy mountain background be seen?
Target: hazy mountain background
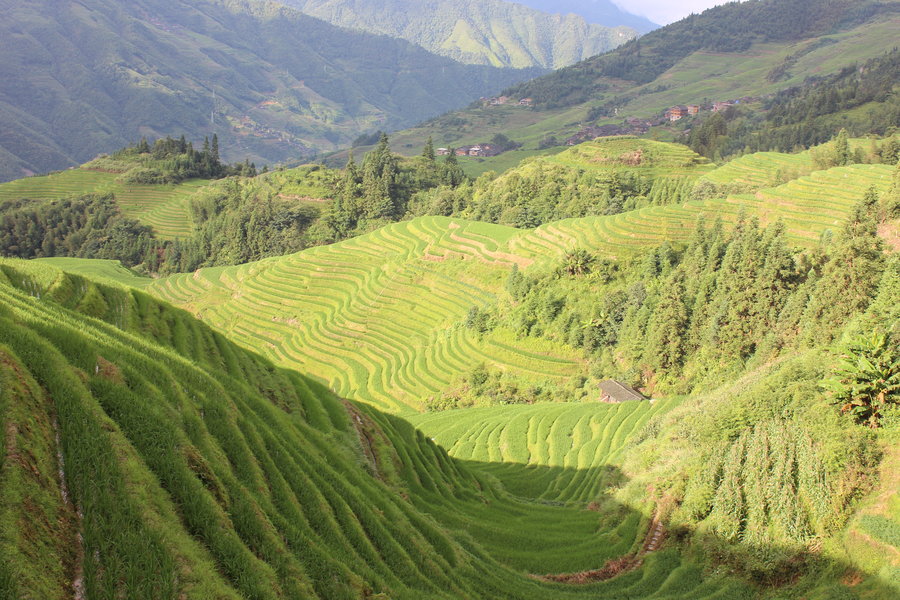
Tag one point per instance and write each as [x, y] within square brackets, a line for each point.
[487, 32]
[604, 12]
[79, 78]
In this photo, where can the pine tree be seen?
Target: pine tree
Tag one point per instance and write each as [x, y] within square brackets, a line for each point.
[850, 275]
[668, 327]
[451, 173]
[842, 154]
[428, 152]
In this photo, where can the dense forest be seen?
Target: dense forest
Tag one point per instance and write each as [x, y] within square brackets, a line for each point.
[732, 27]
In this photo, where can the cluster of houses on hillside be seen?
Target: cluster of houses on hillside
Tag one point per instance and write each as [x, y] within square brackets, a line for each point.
[506, 100]
[482, 150]
[676, 113]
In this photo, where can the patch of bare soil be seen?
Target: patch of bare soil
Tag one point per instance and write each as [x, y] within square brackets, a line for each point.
[890, 233]
[616, 566]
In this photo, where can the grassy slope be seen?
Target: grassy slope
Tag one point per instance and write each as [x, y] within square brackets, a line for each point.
[199, 470]
[702, 76]
[163, 207]
[380, 318]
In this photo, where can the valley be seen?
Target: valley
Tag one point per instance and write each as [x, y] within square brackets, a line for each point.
[624, 350]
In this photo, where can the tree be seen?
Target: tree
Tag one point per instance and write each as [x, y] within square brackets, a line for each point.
[668, 327]
[849, 276]
[867, 379]
[428, 152]
[578, 261]
[842, 149]
[451, 173]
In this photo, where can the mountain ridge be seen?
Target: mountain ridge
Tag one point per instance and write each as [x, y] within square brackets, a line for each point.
[488, 32]
[273, 83]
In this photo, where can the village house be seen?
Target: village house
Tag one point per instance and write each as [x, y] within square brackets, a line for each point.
[676, 113]
[615, 392]
[693, 109]
[526, 102]
[442, 151]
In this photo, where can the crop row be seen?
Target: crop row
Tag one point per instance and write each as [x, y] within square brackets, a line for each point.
[379, 318]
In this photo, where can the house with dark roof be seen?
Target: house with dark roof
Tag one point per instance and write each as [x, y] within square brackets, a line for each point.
[614, 392]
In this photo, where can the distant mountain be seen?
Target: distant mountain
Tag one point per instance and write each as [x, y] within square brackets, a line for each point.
[603, 12]
[741, 50]
[730, 29]
[486, 32]
[87, 77]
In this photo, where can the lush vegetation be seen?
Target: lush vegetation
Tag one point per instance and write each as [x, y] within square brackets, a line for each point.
[240, 479]
[484, 32]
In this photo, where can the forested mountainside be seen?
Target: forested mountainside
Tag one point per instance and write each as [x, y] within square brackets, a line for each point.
[82, 78]
[483, 32]
[704, 61]
[604, 12]
[730, 28]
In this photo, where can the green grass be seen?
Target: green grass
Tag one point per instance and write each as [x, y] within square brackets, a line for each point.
[165, 208]
[201, 470]
[98, 269]
[550, 452]
[380, 317]
[808, 207]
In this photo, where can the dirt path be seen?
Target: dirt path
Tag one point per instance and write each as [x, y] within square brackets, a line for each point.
[616, 566]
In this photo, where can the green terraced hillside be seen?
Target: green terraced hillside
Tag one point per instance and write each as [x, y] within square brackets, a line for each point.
[762, 169]
[381, 318]
[191, 468]
[378, 317]
[165, 208]
[516, 444]
[808, 207]
[647, 157]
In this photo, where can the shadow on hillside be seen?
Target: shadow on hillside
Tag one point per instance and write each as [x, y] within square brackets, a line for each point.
[755, 570]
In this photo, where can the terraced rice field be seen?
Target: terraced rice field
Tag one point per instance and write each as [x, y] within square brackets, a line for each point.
[647, 157]
[760, 169]
[808, 206]
[551, 452]
[58, 185]
[166, 208]
[379, 317]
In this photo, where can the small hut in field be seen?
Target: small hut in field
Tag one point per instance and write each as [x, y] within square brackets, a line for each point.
[614, 392]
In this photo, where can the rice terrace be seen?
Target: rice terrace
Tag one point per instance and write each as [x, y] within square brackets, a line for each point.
[245, 356]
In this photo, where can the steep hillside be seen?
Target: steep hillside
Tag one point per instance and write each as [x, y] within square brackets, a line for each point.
[483, 32]
[146, 456]
[701, 60]
[392, 317]
[83, 78]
